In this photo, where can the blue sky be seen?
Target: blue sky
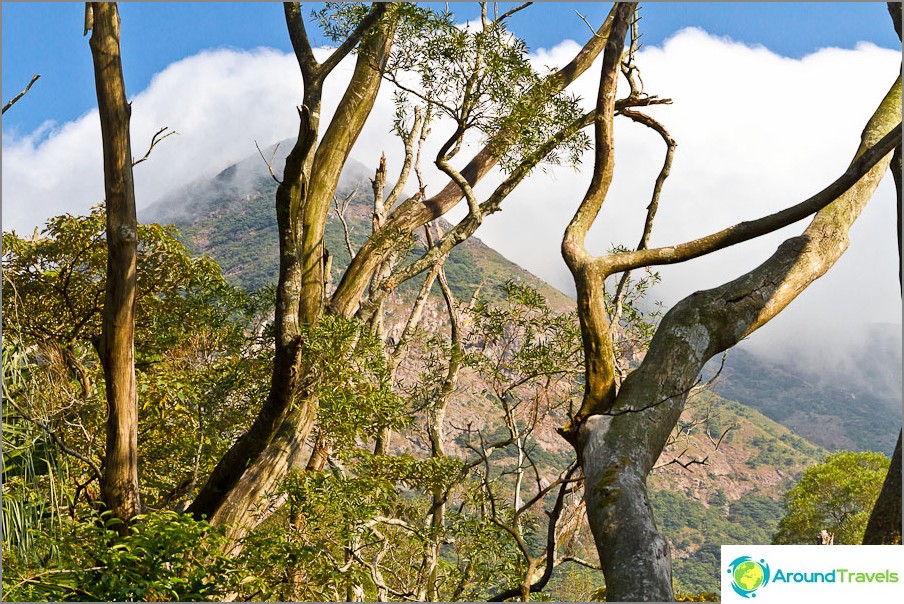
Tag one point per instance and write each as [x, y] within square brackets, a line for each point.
[46, 38]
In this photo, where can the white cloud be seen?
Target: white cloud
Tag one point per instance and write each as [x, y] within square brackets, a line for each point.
[755, 132]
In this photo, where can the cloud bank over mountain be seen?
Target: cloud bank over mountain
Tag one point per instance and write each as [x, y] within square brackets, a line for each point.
[756, 132]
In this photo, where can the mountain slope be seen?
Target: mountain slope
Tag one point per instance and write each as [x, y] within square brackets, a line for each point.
[857, 409]
[730, 490]
[731, 497]
[232, 219]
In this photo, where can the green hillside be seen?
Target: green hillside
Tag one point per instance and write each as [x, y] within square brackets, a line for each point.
[725, 494]
[232, 219]
[858, 410]
[732, 498]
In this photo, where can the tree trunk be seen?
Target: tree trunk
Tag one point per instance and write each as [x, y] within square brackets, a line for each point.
[117, 350]
[620, 435]
[884, 526]
[273, 445]
[618, 448]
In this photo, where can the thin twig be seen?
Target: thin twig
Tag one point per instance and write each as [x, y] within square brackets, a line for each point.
[12, 102]
[154, 140]
[512, 11]
[592, 31]
[341, 207]
[269, 163]
[653, 206]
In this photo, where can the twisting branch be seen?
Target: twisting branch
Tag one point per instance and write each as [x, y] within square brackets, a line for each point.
[15, 99]
[653, 206]
[551, 544]
[154, 140]
[745, 231]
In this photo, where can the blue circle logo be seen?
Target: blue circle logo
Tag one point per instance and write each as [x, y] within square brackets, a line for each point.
[748, 575]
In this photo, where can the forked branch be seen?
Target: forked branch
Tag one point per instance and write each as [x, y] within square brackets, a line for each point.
[154, 141]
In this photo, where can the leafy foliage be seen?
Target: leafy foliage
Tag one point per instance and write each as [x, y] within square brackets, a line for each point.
[352, 381]
[199, 343]
[164, 557]
[479, 76]
[836, 495]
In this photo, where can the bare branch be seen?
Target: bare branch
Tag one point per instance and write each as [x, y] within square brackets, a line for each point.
[13, 101]
[654, 201]
[551, 537]
[469, 224]
[269, 163]
[587, 23]
[751, 229]
[154, 140]
[511, 12]
[580, 561]
[341, 207]
[416, 132]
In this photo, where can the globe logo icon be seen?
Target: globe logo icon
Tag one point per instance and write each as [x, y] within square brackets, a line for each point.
[748, 575]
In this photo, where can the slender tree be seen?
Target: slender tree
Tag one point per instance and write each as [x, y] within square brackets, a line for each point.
[116, 346]
[620, 432]
[273, 443]
[271, 446]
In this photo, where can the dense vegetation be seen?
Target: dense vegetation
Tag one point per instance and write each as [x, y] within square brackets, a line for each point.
[322, 440]
[201, 349]
[835, 496]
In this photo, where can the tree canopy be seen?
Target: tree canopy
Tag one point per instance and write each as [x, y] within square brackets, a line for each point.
[836, 496]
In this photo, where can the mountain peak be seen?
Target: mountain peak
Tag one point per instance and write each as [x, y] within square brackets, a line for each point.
[231, 218]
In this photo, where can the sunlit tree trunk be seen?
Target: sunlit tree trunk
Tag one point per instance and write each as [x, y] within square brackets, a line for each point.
[273, 443]
[119, 487]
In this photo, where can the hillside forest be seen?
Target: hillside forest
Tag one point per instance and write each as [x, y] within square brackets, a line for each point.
[301, 380]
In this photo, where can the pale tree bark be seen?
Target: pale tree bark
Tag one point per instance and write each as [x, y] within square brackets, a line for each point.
[620, 434]
[271, 446]
[273, 443]
[119, 487]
